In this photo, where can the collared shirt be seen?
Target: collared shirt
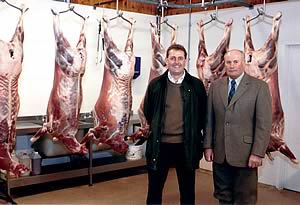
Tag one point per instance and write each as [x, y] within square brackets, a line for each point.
[179, 81]
[238, 80]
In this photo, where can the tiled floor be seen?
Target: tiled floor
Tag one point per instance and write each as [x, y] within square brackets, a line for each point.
[123, 188]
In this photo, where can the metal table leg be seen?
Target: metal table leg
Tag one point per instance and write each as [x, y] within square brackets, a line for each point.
[90, 163]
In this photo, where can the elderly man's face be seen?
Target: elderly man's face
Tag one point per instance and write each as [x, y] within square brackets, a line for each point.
[234, 64]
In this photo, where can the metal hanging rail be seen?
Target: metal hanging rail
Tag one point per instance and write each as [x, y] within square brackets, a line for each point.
[196, 5]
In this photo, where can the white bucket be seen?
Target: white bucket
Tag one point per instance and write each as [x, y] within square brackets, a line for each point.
[25, 159]
[135, 152]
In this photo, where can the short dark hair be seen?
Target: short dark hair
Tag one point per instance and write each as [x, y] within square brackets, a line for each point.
[176, 47]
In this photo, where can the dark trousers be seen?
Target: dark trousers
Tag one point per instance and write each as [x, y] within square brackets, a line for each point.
[235, 185]
[171, 155]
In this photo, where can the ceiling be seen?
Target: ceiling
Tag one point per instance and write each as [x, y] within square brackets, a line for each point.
[171, 7]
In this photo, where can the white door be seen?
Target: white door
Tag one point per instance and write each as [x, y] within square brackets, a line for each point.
[292, 116]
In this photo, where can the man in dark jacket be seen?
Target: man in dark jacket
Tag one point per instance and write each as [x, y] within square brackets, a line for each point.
[175, 109]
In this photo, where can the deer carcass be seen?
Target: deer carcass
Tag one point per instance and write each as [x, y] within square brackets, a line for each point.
[113, 106]
[66, 96]
[211, 67]
[262, 64]
[11, 58]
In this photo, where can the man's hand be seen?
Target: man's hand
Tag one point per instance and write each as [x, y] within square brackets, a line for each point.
[209, 155]
[254, 161]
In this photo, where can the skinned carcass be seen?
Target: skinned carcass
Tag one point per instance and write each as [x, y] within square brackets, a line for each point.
[113, 106]
[11, 58]
[262, 64]
[210, 67]
[158, 52]
[66, 96]
[158, 68]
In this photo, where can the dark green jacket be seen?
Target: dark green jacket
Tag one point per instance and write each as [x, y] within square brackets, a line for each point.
[194, 111]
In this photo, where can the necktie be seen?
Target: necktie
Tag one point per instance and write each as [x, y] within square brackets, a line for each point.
[232, 90]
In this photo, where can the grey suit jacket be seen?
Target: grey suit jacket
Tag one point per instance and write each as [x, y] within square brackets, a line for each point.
[243, 127]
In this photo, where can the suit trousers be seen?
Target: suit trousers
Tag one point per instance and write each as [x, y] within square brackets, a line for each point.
[171, 155]
[235, 185]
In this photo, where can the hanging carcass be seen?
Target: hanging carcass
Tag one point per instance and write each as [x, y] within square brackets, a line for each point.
[262, 64]
[210, 67]
[11, 58]
[158, 68]
[113, 106]
[66, 96]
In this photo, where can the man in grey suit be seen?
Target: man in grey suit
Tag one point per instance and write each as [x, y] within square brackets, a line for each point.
[237, 132]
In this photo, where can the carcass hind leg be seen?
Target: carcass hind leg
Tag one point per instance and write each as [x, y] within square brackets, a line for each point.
[38, 134]
[284, 149]
[140, 133]
[17, 169]
[8, 164]
[73, 145]
[90, 136]
[118, 144]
